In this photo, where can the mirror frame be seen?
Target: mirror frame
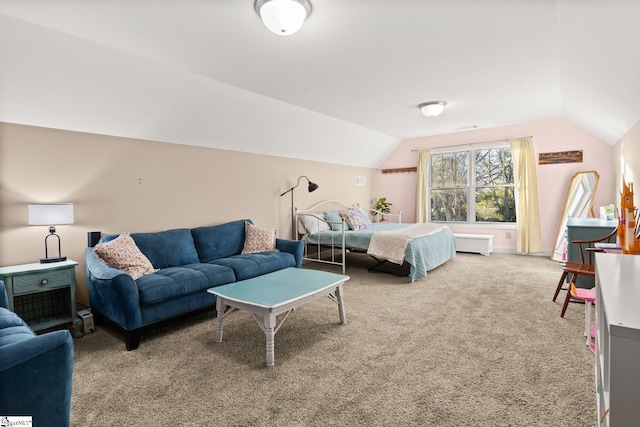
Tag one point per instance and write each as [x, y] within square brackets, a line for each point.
[585, 209]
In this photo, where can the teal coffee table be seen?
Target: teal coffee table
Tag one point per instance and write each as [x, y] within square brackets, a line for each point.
[275, 293]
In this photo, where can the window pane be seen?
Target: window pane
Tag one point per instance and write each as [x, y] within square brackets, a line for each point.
[449, 205]
[494, 167]
[495, 204]
[449, 169]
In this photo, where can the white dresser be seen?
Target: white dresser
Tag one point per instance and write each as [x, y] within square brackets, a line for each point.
[618, 339]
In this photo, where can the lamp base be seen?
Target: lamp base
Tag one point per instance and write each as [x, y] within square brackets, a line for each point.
[52, 259]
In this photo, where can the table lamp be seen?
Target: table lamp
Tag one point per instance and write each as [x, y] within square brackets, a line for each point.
[51, 214]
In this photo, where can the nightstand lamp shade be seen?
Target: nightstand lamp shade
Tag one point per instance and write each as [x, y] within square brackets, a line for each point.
[51, 214]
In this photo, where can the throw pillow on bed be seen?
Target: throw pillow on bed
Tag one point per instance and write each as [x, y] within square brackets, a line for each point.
[314, 223]
[354, 219]
[364, 217]
[335, 220]
[123, 253]
[259, 239]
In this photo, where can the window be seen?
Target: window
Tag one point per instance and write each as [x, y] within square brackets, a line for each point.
[483, 175]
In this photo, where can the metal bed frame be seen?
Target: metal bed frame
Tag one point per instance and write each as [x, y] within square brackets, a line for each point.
[334, 253]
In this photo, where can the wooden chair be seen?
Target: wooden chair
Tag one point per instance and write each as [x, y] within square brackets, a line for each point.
[585, 267]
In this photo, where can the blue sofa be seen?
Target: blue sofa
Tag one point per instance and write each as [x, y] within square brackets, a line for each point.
[190, 261]
[35, 370]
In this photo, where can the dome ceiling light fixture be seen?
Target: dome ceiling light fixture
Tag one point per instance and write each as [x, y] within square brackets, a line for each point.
[283, 17]
[432, 108]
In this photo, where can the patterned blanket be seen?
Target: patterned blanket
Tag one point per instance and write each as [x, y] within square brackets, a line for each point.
[392, 245]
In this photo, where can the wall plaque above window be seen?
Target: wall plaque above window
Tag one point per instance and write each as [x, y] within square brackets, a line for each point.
[574, 156]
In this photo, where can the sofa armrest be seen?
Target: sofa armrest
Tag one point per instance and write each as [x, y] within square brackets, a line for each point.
[112, 292]
[36, 378]
[295, 247]
[4, 298]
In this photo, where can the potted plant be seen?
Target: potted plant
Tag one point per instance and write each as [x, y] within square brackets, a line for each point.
[382, 207]
[609, 212]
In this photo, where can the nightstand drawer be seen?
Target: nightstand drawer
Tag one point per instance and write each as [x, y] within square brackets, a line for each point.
[41, 281]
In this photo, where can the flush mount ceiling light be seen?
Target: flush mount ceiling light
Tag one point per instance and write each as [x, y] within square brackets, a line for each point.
[433, 108]
[283, 17]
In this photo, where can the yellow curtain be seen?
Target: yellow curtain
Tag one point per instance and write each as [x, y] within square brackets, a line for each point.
[529, 236]
[422, 186]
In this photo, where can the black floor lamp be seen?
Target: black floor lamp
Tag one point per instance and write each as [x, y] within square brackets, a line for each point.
[312, 187]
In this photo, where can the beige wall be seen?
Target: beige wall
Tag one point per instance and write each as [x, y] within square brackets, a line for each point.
[121, 184]
[626, 162]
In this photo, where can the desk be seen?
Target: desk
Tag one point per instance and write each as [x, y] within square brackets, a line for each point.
[617, 339]
[586, 229]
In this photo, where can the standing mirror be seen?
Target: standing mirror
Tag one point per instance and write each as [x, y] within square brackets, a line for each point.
[579, 204]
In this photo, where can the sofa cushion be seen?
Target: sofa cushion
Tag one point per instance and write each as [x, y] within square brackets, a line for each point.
[259, 239]
[246, 266]
[12, 328]
[36, 376]
[173, 282]
[219, 241]
[123, 253]
[169, 248]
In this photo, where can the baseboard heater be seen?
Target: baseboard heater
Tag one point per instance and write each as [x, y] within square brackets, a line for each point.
[475, 243]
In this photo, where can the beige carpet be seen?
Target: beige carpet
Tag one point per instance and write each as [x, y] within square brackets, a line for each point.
[477, 342]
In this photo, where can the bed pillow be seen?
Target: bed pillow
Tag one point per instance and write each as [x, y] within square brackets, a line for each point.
[364, 217]
[337, 218]
[314, 223]
[354, 219]
[259, 239]
[123, 253]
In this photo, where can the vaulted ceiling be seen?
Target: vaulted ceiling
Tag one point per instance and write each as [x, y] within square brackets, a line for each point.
[344, 89]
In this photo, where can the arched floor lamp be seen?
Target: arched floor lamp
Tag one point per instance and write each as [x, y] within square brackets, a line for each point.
[312, 187]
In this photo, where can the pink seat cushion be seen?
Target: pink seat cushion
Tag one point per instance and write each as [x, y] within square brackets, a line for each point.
[583, 294]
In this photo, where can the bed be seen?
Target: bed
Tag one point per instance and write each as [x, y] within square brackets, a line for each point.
[411, 249]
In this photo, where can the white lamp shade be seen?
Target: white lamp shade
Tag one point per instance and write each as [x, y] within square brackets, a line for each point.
[432, 109]
[51, 214]
[283, 17]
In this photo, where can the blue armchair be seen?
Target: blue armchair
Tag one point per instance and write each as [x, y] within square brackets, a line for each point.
[35, 370]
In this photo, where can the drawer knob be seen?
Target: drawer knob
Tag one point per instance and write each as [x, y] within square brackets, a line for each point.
[44, 281]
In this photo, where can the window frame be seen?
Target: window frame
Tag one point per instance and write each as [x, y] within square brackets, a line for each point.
[470, 149]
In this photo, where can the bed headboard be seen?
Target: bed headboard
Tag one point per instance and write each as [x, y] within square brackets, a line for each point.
[325, 206]
[337, 206]
[314, 217]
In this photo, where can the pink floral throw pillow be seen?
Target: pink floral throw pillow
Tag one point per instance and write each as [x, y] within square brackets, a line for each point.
[123, 254]
[259, 239]
[354, 219]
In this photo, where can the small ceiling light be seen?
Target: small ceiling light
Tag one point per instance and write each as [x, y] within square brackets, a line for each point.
[433, 108]
[283, 17]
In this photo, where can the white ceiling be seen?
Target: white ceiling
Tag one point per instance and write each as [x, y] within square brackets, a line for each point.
[344, 89]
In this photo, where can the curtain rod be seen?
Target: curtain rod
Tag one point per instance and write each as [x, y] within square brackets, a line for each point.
[471, 144]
